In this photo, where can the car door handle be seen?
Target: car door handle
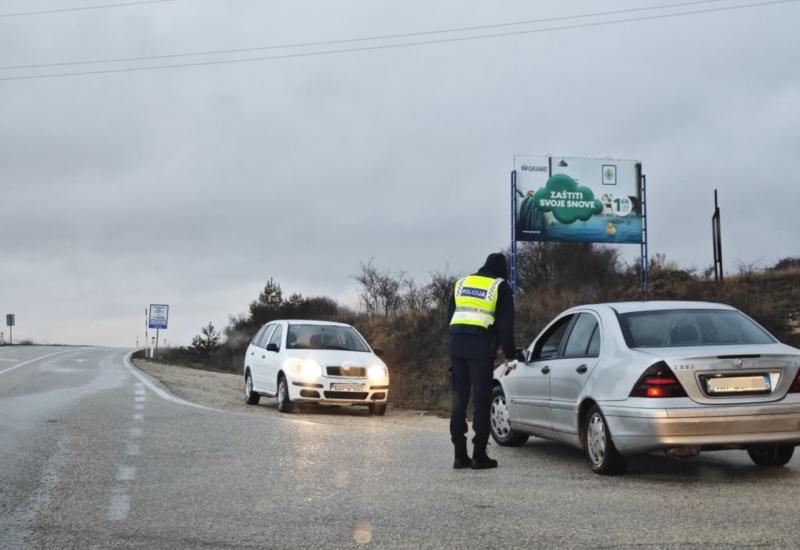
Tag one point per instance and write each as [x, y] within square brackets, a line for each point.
[581, 369]
[546, 370]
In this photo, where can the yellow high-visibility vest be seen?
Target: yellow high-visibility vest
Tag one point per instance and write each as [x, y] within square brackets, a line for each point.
[476, 301]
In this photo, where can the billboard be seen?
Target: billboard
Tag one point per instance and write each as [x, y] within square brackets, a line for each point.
[159, 315]
[581, 200]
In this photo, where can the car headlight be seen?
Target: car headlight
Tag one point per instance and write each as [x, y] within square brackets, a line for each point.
[376, 372]
[310, 369]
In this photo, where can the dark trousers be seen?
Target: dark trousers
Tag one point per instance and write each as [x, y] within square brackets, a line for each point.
[473, 375]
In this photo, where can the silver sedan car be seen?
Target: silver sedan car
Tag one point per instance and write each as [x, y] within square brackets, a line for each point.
[629, 378]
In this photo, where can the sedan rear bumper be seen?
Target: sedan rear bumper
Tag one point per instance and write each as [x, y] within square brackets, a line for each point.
[639, 430]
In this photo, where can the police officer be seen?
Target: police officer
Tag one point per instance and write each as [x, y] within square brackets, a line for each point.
[482, 317]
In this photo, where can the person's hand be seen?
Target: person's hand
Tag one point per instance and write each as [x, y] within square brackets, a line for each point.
[510, 365]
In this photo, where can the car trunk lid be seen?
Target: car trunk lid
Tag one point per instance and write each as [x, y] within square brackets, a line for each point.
[734, 376]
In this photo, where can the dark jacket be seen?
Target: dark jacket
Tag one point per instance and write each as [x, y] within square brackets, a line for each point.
[474, 342]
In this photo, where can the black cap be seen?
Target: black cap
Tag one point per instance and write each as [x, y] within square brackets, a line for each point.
[495, 266]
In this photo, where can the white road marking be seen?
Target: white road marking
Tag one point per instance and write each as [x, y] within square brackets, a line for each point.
[136, 432]
[163, 394]
[132, 449]
[138, 417]
[140, 398]
[9, 369]
[126, 473]
[119, 506]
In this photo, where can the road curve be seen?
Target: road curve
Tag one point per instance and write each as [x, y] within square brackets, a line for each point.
[95, 456]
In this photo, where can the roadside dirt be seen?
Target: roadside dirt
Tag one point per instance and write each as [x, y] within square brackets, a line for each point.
[221, 390]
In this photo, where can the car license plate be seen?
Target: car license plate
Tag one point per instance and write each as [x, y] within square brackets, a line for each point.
[347, 387]
[738, 384]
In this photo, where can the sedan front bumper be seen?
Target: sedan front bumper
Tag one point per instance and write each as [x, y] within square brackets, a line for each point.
[640, 430]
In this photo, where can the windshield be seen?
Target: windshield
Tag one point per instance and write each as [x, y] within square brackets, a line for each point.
[325, 337]
[691, 327]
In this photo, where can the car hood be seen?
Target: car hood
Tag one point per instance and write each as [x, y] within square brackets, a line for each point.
[335, 357]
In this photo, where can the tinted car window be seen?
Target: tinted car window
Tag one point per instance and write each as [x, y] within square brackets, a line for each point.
[550, 342]
[580, 335]
[690, 327]
[262, 342]
[257, 337]
[594, 344]
[276, 336]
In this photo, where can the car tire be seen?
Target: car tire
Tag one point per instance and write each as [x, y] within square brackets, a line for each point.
[250, 396]
[377, 409]
[500, 426]
[285, 404]
[771, 456]
[599, 446]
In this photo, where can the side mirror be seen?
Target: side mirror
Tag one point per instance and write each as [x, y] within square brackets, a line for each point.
[272, 347]
[378, 351]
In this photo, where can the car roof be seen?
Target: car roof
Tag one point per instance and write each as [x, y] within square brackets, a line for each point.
[657, 305]
[310, 322]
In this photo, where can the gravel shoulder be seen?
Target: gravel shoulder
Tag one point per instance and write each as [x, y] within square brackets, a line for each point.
[224, 391]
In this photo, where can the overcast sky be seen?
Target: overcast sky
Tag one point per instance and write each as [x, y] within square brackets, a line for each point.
[192, 186]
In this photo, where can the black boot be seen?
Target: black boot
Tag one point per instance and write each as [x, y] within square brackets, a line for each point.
[480, 461]
[462, 458]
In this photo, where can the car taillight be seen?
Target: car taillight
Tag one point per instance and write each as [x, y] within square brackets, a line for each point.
[795, 387]
[658, 381]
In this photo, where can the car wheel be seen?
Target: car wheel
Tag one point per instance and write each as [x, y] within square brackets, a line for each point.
[603, 456]
[285, 404]
[771, 456]
[378, 409]
[500, 423]
[250, 396]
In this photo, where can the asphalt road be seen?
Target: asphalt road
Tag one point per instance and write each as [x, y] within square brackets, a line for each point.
[93, 456]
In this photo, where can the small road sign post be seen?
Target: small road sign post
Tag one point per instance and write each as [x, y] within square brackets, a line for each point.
[159, 317]
[11, 320]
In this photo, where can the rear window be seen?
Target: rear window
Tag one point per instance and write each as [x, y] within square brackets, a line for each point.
[690, 327]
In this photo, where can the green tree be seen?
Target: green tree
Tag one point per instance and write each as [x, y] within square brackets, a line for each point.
[208, 341]
[268, 305]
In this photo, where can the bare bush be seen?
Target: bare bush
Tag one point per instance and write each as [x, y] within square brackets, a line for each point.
[414, 296]
[379, 293]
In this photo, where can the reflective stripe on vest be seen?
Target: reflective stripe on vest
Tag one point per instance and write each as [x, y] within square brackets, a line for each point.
[476, 301]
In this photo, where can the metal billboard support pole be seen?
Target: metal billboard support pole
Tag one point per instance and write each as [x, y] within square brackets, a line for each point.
[146, 331]
[155, 351]
[716, 235]
[645, 263]
[514, 232]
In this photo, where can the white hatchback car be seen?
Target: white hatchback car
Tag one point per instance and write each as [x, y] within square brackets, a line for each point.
[314, 362]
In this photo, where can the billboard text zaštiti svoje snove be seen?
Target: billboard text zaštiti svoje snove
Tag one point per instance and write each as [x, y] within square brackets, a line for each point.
[580, 200]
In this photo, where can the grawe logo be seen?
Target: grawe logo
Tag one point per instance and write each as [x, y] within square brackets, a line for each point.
[531, 168]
